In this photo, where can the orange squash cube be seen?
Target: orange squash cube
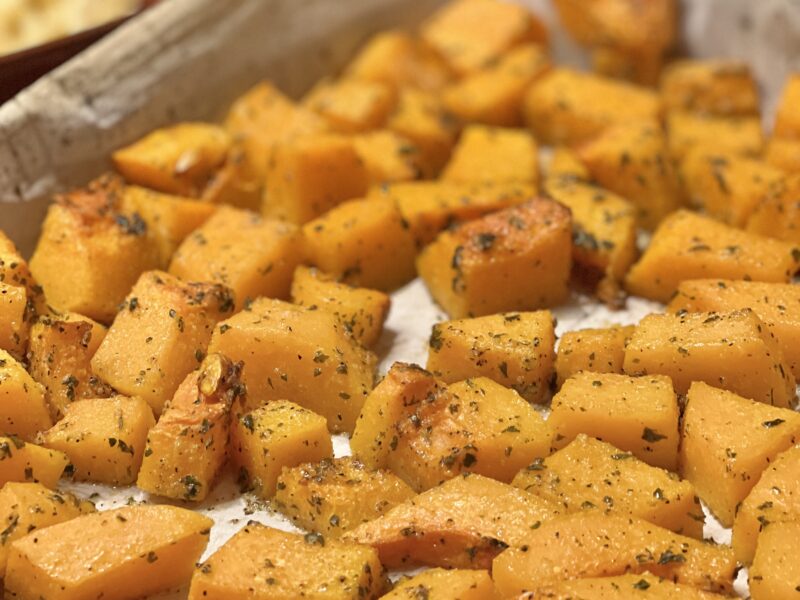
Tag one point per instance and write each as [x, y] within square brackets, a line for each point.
[24, 410]
[736, 135]
[775, 573]
[787, 115]
[777, 214]
[492, 154]
[24, 462]
[595, 350]
[352, 105]
[717, 87]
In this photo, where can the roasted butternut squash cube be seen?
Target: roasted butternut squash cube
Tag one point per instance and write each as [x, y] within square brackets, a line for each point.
[334, 496]
[177, 160]
[88, 255]
[104, 438]
[726, 443]
[26, 507]
[513, 349]
[352, 105]
[445, 584]
[774, 499]
[776, 304]
[636, 414]
[777, 214]
[15, 272]
[493, 154]
[734, 351]
[469, 270]
[565, 164]
[716, 87]
[133, 551]
[787, 115]
[587, 544]
[735, 135]
[596, 350]
[170, 219]
[21, 461]
[269, 564]
[589, 474]
[566, 106]
[388, 157]
[726, 186]
[15, 317]
[783, 154]
[248, 254]
[471, 34]
[403, 388]
[422, 118]
[160, 335]
[364, 243]
[308, 176]
[23, 406]
[360, 310]
[186, 450]
[775, 573]
[279, 434]
[425, 530]
[60, 355]
[263, 118]
[687, 245]
[237, 182]
[493, 95]
[622, 587]
[306, 356]
[401, 60]
[631, 159]
[431, 206]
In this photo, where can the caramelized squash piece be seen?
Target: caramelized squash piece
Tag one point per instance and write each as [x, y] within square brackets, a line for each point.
[23, 408]
[492, 154]
[717, 87]
[24, 462]
[445, 584]
[775, 574]
[596, 350]
[463, 523]
[133, 551]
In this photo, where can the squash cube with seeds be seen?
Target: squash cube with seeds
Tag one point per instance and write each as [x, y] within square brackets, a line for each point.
[734, 351]
[726, 443]
[363, 242]
[104, 438]
[269, 564]
[515, 259]
[160, 335]
[361, 311]
[596, 350]
[717, 87]
[777, 214]
[589, 474]
[787, 115]
[513, 349]
[775, 574]
[24, 462]
[352, 105]
[687, 245]
[24, 410]
[335, 496]
[636, 414]
[493, 154]
[250, 255]
[736, 135]
[277, 435]
[445, 584]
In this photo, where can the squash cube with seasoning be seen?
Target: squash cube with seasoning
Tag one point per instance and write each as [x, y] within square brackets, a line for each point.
[775, 574]
[295, 353]
[16, 272]
[388, 157]
[277, 435]
[776, 304]
[445, 584]
[308, 176]
[514, 259]
[363, 242]
[176, 160]
[425, 530]
[248, 254]
[493, 95]
[774, 499]
[513, 349]
[596, 350]
[734, 351]
[89, 255]
[335, 496]
[26, 507]
[586, 544]
[24, 462]
[621, 587]
[352, 105]
[632, 160]
[687, 245]
[186, 450]
[568, 107]
[360, 310]
[735, 135]
[160, 335]
[135, 551]
[717, 87]
[589, 474]
[565, 164]
[787, 115]
[726, 443]
[15, 319]
[104, 438]
[236, 183]
[24, 410]
[636, 414]
[493, 154]
[269, 564]
[60, 355]
[777, 214]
